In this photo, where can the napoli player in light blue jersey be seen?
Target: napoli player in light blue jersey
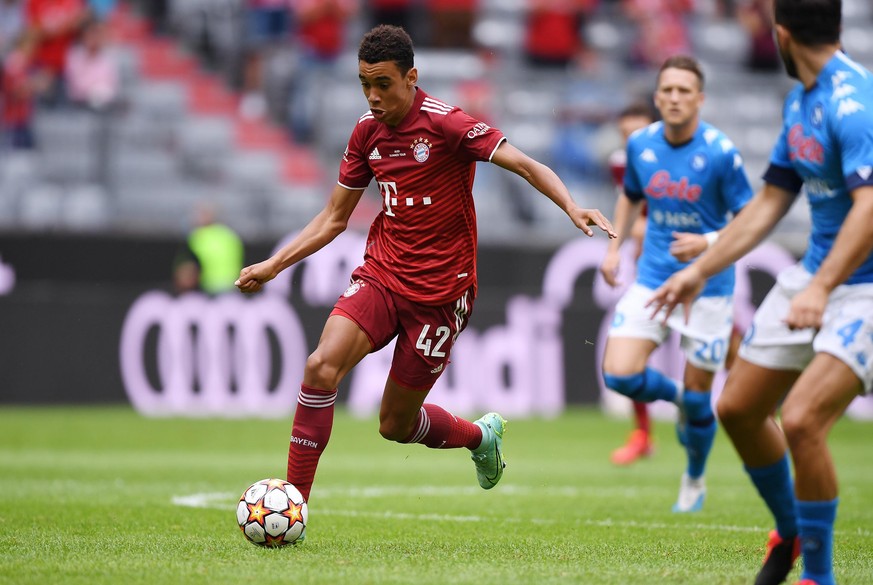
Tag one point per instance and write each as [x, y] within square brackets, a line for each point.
[692, 179]
[811, 343]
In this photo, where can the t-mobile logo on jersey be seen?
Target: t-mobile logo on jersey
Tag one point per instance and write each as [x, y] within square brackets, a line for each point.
[389, 191]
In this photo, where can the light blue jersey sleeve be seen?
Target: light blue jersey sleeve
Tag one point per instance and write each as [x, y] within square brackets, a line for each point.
[853, 128]
[735, 182]
[633, 188]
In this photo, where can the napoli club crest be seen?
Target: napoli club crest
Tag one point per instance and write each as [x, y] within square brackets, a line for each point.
[421, 149]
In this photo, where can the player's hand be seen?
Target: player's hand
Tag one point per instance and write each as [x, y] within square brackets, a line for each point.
[586, 217]
[681, 288]
[686, 246]
[807, 308]
[253, 278]
[609, 268]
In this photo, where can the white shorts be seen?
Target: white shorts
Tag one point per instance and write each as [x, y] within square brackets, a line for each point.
[705, 337]
[846, 333]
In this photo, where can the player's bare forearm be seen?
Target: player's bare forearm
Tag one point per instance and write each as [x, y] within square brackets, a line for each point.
[853, 244]
[625, 214]
[746, 230]
[687, 246]
[547, 182]
[320, 231]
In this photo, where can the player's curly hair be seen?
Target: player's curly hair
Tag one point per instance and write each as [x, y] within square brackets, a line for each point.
[811, 22]
[386, 42]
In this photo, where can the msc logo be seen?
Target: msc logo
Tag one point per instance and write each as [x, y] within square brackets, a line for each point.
[196, 355]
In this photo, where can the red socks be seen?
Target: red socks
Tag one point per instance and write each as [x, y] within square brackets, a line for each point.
[313, 422]
[439, 429]
[641, 410]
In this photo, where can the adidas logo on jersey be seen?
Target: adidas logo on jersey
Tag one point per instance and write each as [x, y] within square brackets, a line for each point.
[375, 155]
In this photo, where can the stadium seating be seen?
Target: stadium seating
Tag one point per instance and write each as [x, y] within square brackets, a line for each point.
[178, 137]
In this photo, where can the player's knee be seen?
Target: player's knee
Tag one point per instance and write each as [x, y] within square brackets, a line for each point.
[393, 429]
[735, 412]
[697, 405]
[799, 427]
[320, 372]
[629, 385]
[728, 411]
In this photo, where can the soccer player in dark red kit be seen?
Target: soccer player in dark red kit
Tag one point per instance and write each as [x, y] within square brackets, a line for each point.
[633, 117]
[418, 279]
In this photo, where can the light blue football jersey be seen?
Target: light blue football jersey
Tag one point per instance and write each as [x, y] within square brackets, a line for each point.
[827, 144]
[691, 187]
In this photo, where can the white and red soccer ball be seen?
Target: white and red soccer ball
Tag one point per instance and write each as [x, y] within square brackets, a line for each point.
[272, 513]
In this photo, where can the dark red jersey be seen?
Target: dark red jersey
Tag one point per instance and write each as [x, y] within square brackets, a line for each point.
[423, 243]
[617, 164]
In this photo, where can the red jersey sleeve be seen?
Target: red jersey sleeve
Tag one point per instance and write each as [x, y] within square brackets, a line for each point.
[355, 171]
[471, 139]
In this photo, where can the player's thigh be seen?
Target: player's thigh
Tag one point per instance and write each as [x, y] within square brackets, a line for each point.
[425, 339]
[342, 345]
[633, 334]
[847, 330]
[364, 319]
[752, 391]
[820, 395]
[696, 378]
[705, 336]
[624, 356]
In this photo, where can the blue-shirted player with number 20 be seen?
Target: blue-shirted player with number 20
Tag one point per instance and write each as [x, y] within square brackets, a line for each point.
[811, 341]
[692, 178]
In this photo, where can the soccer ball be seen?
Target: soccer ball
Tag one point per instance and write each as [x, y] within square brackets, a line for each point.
[272, 513]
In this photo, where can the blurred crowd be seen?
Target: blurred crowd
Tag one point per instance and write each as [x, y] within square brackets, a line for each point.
[55, 53]
[277, 57]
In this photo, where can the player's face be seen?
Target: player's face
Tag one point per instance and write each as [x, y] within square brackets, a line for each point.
[627, 125]
[678, 97]
[389, 93]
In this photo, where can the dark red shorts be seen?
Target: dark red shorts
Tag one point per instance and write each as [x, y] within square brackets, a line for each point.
[425, 334]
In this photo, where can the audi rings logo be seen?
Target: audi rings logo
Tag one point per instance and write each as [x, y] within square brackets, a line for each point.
[197, 355]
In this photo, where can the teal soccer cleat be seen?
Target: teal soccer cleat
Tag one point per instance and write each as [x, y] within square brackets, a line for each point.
[488, 457]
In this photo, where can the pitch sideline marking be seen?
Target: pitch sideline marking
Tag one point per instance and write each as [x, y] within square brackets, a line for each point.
[223, 501]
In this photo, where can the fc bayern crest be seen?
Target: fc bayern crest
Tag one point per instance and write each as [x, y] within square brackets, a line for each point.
[421, 152]
[355, 287]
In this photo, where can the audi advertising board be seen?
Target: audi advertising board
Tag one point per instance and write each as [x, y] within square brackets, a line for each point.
[90, 320]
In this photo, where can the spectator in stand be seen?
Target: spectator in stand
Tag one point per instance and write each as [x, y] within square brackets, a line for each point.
[11, 24]
[55, 25]
[756, 16]
[395, 12]
[661, 30]
[91, 73]
[552, 33]
[451, 23]
[321, 38]
[267, 25]
[101, 9]
[92, 81]
[21, 83]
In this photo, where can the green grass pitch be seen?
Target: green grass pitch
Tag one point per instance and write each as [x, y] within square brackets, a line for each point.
[102, 495]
